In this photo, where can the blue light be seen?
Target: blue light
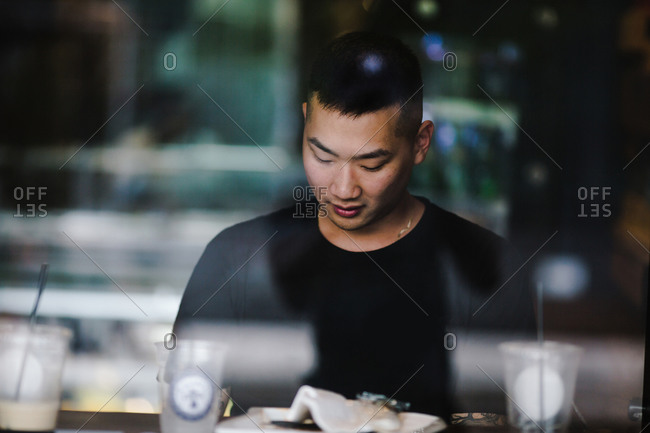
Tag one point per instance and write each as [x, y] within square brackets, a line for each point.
[509, 52]
[372, 64]
[446, 137]
[433, 46]
[563, 276]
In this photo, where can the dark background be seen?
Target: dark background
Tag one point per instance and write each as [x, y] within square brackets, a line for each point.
[160, 167]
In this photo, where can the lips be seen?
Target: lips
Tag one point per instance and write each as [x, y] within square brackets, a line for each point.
[348, 211]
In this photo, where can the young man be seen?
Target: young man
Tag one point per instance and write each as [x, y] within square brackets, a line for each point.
[382, 276]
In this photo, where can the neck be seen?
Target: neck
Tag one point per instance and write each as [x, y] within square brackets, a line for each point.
[387, 230]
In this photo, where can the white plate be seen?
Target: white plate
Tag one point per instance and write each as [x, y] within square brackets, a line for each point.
[259, 418]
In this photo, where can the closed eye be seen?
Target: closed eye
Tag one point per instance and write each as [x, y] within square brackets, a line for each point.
[320, 159]
[375, 168]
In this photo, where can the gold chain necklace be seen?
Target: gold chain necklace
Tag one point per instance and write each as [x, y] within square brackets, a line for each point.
[405, 229]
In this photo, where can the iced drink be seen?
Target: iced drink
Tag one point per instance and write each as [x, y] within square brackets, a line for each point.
[31, 364]
[29, 416]
[190, 385]
[540, 383]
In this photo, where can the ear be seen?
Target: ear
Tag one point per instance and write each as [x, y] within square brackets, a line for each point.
[423, 141]
[304, 111]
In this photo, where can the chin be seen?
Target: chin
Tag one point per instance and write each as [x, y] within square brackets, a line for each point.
[348, 224]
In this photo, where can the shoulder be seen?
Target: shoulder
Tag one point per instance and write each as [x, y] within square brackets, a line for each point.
[485, 286]
[454, 229]
[260, 230]
[476, 252]
[261, 225]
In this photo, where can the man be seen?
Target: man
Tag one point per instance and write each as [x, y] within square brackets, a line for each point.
[383, 276]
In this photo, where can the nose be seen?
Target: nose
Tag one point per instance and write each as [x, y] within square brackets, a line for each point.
[344, 185]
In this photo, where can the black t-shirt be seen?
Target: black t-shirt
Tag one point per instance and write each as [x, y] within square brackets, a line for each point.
[379, 317]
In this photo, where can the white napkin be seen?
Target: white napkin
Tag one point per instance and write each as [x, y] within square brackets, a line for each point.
[333, 413]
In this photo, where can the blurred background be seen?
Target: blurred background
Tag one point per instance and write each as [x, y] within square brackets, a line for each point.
[134, 131]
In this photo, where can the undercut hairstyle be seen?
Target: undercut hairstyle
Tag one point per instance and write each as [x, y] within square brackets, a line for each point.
[364, 72]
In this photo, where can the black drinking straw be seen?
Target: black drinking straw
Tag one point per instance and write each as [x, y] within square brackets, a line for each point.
[42, 279]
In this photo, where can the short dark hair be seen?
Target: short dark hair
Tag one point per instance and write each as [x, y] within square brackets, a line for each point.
[363, 72]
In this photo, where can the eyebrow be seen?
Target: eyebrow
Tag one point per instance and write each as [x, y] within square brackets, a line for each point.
[369, 155]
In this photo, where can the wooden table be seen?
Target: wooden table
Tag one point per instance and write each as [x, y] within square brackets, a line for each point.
[141, 422]
[123, 422]
[146, 422]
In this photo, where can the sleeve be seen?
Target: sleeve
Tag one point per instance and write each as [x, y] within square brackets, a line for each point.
[509, 305]
[487, 286]
[212, 291]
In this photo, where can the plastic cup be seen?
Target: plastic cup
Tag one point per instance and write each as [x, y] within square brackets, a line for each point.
[540, 383]
[189, 377]
[30, 401]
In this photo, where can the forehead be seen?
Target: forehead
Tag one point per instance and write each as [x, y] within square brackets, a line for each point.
[333, 127]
